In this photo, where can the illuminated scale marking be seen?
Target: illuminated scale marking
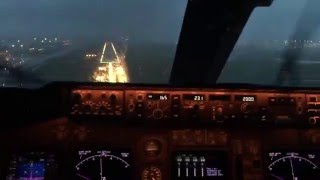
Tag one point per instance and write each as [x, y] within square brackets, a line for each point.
[100, 156]
[290, 157]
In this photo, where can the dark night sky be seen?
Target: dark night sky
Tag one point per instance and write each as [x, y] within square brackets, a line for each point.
[151, 20]
[155, 20]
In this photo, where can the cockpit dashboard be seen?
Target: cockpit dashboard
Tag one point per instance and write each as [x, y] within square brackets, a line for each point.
[161, 132]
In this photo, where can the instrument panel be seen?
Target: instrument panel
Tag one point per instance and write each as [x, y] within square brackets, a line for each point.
[154, 133]
[205, 106]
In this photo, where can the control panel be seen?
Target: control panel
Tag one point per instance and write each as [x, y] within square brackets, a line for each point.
[148, 105]
[202, 106]
[171, 133]
[97, 103]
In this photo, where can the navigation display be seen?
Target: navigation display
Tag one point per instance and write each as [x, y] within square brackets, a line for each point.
[293, 165]
[195, 165]
[103, 164]
[32, 166]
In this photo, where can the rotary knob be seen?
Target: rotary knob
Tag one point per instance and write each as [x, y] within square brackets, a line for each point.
[312, 120]
[246, 108]
[219, 110]
[219, 114]
[113, 99]
[157, 114]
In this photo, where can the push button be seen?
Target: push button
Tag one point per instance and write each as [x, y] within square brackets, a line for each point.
[272, 101]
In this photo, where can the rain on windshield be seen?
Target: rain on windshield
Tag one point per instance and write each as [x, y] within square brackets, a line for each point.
[88, 41]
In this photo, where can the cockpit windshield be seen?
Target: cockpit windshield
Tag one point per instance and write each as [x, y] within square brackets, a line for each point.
[278, 46]
[42, 41]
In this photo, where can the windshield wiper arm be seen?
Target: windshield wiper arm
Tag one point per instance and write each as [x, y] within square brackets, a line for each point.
[306, 26]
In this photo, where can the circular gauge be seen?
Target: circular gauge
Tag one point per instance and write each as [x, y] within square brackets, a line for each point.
[151, 173]
[103, 165]
[293, 165]
[152, 147]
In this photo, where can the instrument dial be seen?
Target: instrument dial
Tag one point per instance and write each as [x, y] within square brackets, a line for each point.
[152, 147]
[103, 165]
[293, 165]
[151, 173]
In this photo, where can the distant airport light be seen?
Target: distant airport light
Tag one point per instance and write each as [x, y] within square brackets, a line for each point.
[21, 45]
[102, 68]
[45, 39]
[12, 45]
[18, 41]
[91, 55]
[42, 41]
[35, 39]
